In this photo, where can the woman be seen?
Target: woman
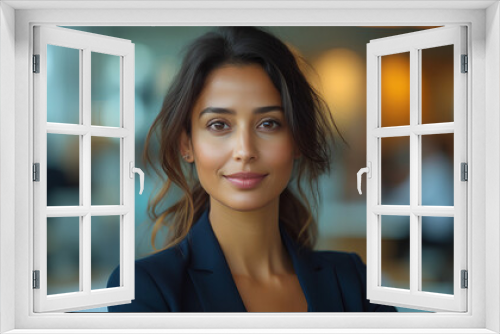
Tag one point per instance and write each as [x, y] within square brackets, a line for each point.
[242, 122]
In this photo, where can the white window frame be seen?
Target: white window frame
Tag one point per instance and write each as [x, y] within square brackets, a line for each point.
[414, 43]
[483, 21]
[86, 43]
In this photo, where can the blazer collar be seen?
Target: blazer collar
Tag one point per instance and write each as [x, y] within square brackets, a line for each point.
[218, 292]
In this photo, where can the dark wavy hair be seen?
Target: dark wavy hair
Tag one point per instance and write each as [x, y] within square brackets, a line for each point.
[308, 117]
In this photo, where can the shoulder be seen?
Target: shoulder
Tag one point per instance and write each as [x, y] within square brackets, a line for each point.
[345, 262]
[348, 266]
[175, 257]
[350, 271]
[158, 278]
[336, 256]
[165, 268]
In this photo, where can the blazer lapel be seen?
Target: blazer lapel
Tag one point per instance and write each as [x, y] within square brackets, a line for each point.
[210, 272]
[217, 290]
[317, 277]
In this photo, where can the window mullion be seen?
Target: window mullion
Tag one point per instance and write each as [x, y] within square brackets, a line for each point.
[405, 210]
[433, 129]
[419, 129]
[79, 130]
[85, 242]
[414, 171]
[375, 118]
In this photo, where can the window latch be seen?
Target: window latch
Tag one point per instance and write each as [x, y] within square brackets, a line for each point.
[133, 170]
[368, 171]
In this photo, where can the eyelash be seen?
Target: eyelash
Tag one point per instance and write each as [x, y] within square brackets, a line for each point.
[278, 124]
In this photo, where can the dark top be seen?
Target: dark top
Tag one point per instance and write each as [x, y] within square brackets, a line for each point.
[193, 276]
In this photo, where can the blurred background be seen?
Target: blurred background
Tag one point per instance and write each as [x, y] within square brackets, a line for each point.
[338, 57]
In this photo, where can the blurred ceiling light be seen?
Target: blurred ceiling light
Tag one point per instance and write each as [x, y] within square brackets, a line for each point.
[342, 76]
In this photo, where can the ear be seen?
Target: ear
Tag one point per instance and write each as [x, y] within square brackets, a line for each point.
[186, 147]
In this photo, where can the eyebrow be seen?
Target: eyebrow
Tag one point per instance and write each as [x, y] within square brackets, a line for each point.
[260, 110]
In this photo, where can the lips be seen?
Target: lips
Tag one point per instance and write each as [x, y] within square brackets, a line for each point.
[245, 180]
[245, 175]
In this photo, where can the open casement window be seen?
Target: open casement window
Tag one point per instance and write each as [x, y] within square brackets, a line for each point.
[417, 166]
[84, 168]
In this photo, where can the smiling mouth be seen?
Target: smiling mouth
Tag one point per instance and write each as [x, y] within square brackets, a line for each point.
[245, 181]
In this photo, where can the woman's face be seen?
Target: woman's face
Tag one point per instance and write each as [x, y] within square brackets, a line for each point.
[238, 126]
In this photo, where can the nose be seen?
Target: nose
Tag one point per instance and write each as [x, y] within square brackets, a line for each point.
[244, 148]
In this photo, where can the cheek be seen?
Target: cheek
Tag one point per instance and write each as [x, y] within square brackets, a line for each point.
[210, 154]
[279, 153]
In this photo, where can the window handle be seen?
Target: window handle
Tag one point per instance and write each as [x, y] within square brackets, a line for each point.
[133, 170]
[368, 171]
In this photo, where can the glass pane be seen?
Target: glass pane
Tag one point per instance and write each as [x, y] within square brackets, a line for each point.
[396, 251]
[437, 169]
[437, 254]
[395, 90]
[105, 174]
[63, 85]
[105, 248]
[395, 171]
[63, 255]
[105, 89]
[437, 84]
[63, 169]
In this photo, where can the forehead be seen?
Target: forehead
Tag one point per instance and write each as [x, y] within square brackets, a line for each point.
[230, 85]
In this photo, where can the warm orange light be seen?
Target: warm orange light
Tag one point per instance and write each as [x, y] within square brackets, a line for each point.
[342, 77]
[395, 94]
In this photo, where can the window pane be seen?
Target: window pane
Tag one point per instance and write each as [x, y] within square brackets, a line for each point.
[437, 84]
[63, 170]
[63, 85]
[437, 169]
[437, 254]
[105, 174]
[105, 89]
[395, 171]
[105, 248]
[396, 251]
[395, 90]
[63, 255]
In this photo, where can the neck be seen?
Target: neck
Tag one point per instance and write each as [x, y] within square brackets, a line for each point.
[251, 240]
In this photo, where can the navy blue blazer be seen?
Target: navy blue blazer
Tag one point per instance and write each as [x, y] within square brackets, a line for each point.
[193, 276]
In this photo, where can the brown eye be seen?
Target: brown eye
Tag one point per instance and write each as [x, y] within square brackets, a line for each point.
[217, 126]
[270, 124]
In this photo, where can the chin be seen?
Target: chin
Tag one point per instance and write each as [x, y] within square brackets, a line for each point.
[246, 204]
[245, 207]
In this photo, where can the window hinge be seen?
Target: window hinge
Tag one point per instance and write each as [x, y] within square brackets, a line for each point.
[465, 279]
[465, 64]
[36, 279]
[465, 171]
[36, 63]
[36, 172]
